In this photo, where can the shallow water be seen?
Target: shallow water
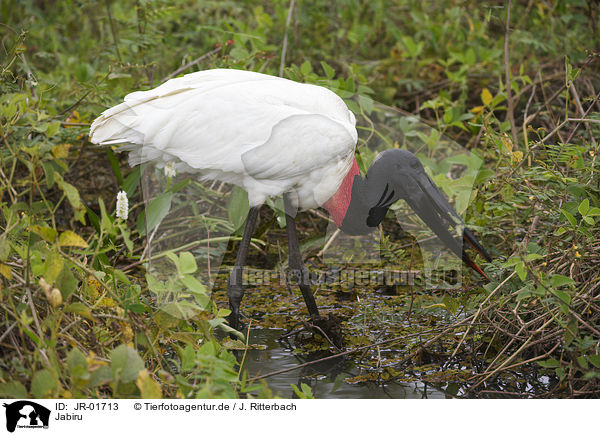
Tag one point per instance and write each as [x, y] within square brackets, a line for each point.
[326, 379]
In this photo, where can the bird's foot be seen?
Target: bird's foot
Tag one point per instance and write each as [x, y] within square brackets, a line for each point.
[234, 317]
[327, 327]
[235, 323]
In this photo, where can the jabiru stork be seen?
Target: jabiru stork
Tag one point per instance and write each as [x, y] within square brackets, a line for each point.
[273, 137]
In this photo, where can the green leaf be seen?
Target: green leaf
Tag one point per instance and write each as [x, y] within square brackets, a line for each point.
[366, 103]
[560, 280]
[571, 331]
[76, 361]
[79, 308]
[483, 175]
[100, 376]
[72, 195]
[188, 358]
[4, 249]
[149, 388]
[531, 257]
[43, 383]
[569, 217]
[238, 53]
[78, 367]
[174, 258]
[66, 282]
[132, 181]
[512, 261]
[329, 72]
[350, 85]
[524, 293]
[238, 207]
[187, 263]
[180, 185]
[594, 211]
[193, 284]
[125, 364]
[13, 390]
[582, 360]
[563, 296]
[116, 167]
[584, 207]
[595, 360]
[53, 128]
[220, 322]
[521, 270]
[126, 237]
[352, 106]
[155, 212]
[549, 363]
[46, 233]
[486, 96]
[48, 173]
[120, 275]
[69, 238]
[306, 68]
[306, 392]
[52, 267]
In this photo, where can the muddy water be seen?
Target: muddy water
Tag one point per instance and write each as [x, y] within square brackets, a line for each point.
[327, 379]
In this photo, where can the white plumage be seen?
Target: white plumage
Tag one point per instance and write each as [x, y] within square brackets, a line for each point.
[266, 134]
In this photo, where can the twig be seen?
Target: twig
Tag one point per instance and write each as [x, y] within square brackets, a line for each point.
[192, 63]
[112, 28]
[148, 242]
[525, 120]
[37, 323]
[30, 76]
[511, 357]
[245, 348]
[78, 102]
[10, 328]
[511, 106]
[358, 349]
[285, 38]
[329, 242]
[462, 339]
[547, 104]
[326, 336]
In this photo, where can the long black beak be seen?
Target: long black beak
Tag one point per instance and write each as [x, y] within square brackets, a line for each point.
[431, 206]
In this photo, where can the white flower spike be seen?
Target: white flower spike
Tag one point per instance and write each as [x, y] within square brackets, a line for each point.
[170, 170]
[122, 205]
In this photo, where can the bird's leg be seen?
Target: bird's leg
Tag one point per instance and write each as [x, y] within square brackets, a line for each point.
[235, 289]
[295, 262]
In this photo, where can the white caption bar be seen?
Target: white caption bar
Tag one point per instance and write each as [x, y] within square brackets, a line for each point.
[307, 416]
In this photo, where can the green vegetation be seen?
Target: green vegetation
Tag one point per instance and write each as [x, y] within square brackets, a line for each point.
[77, 316]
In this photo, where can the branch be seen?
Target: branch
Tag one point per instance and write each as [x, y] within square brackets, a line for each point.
[192, 63]
[511, 108]
[285, 38]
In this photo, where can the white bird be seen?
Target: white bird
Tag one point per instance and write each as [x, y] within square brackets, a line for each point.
[272, 137]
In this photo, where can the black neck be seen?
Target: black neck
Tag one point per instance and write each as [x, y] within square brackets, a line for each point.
[369, 203]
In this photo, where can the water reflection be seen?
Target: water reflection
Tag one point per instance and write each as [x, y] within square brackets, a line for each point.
[325, 378]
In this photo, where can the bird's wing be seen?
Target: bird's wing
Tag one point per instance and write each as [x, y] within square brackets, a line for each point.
[209, 119]
[115, 125]
[299, 144]
[308, 153]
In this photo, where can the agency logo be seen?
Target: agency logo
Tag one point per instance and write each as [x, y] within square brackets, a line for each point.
[25, 414]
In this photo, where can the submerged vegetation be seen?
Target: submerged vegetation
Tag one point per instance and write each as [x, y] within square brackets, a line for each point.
[516, 104]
